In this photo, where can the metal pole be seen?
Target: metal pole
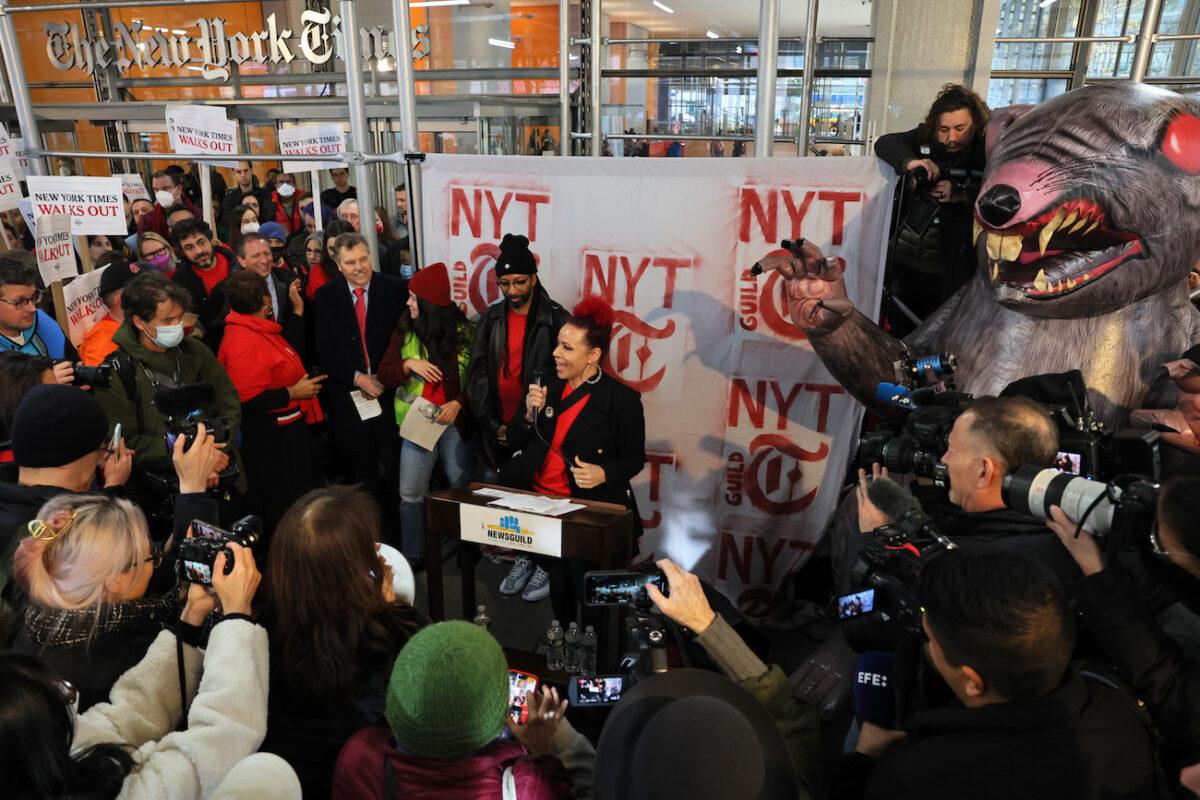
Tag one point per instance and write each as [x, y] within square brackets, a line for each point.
[405, 87]
[206, 196]
[768, 57]
[564, 77]
[810, 75]
[416, 233]
[358, 131]
[20, 91]
[595, 53]
[1145, 40]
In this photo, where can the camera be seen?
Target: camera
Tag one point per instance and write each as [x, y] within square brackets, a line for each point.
[1118, 511]
[918, 445]
[621, 588]
[596, 690]
[183, 406]
[99, 375]
[196, 555]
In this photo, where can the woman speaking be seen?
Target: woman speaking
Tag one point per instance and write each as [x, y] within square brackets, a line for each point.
[581, 434]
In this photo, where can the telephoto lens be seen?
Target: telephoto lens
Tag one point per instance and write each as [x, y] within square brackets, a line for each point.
[1033, 490]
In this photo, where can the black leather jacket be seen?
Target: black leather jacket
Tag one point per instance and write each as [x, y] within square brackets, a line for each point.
[487, 353]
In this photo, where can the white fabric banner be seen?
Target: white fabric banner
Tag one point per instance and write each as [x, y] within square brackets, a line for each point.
[747, 434]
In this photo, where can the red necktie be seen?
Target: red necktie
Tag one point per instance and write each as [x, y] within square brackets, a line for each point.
[360, 313]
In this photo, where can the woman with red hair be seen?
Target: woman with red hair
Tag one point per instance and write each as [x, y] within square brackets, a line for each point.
[581, 434]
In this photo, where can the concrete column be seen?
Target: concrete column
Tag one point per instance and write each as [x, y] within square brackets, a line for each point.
[921, 45]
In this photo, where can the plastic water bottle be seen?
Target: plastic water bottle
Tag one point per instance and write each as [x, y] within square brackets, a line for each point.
[587, 650]
[481, 618]
[554, 647]
[571, 642]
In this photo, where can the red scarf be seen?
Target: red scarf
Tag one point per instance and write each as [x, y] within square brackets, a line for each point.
[258, 359]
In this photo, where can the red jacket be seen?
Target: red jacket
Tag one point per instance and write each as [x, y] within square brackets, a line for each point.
[359, 774]
[156, 218]
[258, 359]
[291, 222]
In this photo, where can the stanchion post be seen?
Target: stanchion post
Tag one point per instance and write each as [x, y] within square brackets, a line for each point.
[768, 58]
[19, 86]
[358, 132]
[810, 74]
[596, 53]
[318, 217]
[564, 77]
[406, 91]
[416, 233]
[1145, 40]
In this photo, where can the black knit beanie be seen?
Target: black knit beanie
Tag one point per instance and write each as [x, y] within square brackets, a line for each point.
[515, 257]
[55, 425]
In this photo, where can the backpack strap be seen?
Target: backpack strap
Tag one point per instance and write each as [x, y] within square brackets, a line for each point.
[122, 364]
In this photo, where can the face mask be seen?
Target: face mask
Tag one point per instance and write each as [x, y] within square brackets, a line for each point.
[169, 336]
[249, 227]
[276, 252]
[161, 260]
[286, 190]
[379, 227]
[164, 199]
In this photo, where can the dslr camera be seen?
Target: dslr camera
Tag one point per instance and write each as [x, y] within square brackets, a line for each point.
[183, 406]
[100, 375]
[197, 554]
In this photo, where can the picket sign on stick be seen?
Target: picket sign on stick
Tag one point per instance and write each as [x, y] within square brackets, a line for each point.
[316, 195]
[55, 258]
[206, 196]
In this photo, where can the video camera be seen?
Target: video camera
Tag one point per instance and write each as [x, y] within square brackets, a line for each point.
[183, 406]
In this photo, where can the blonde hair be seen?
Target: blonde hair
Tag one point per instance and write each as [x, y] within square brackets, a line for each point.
[85, 541]
[155, 237]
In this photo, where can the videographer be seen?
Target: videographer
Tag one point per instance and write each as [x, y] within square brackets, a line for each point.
[1114, 610]
[933, 254]
[154, 356]
[1000, 633]
[798, 723]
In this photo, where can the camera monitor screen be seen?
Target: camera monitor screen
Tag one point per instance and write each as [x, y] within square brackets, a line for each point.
[520, 686]
[197, 572]
[204, 530]
[1068, 462]
[620, 588]
[852, 605]
[598, 690]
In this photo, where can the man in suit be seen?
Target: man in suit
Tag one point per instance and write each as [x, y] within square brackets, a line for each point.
[287, 306]
[355, 317]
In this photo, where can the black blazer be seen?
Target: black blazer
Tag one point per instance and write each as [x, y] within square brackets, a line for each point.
[339, 352]
[610, 431]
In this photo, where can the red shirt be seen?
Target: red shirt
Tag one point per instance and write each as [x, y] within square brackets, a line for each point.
[511, 390]
[551, 477]
[215, 274]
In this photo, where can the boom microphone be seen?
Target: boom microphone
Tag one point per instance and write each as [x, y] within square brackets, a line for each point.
[891, 498]
[874, 692]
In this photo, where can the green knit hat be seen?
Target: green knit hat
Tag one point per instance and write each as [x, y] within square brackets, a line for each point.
[449, 691]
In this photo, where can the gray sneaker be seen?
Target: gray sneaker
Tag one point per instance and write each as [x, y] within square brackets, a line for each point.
[538, 587]
[517, 577]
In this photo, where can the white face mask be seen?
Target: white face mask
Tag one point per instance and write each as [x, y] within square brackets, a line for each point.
[286, 190]
[249, 227]
[164, 199]
[169, 336]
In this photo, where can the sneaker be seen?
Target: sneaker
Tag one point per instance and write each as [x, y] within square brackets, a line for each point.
[538, 587]
[517, 577]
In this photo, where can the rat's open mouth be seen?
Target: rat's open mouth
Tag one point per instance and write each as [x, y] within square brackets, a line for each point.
[1066, 247]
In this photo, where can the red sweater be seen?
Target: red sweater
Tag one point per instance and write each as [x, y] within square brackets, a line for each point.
[258, 359]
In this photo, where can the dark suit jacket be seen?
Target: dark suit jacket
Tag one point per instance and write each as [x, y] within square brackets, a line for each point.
[339, 353]
[610, 431]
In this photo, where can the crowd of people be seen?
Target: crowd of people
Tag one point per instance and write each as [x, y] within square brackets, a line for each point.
[268, 380]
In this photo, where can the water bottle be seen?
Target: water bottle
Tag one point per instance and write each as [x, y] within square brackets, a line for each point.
[554, 647]
[481, 618]
[571, 641]
[587, 650]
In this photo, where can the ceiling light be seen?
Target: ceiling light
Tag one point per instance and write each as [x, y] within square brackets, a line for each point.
[712, 35]
[665, 8]
[434, 3]
[507, 45]
[1046, 3]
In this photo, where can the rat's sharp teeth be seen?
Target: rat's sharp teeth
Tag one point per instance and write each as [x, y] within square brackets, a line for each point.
[1070, 220]
[994, 240]
[1091, 227]
[1048, 231]
[1071, 283]
[976, 233]
[995, 271]
[1039, 282]
[1010, 248]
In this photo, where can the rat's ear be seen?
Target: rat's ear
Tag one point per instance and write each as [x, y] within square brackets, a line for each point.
[998, 123]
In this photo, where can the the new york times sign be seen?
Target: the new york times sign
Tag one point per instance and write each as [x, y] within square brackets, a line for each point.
[212, 48]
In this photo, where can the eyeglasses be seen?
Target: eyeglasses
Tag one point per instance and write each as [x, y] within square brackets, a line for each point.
[157, 550]
[314, 250]
[149, 254]
[32, 300]
[512, 283]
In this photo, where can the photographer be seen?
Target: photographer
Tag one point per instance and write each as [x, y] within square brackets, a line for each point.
[153, 355]
[1000, 634]
[930, 264]
[1114, 610]
[798, 723]
[23, 326]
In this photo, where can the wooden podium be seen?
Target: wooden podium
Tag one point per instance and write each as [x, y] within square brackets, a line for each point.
[600, 534]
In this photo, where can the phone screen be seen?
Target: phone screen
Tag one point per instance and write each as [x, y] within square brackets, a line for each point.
[621, 588]
[599, 690]
[520, 686]
[852, 605]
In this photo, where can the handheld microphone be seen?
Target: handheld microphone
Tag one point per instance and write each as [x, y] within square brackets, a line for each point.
[891, 498]
[538, 377]
[874, 689]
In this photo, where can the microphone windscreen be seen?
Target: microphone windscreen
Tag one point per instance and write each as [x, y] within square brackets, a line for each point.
[891, 498]
[874, 694]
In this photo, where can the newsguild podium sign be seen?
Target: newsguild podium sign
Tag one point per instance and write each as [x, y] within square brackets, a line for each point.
[319, 39]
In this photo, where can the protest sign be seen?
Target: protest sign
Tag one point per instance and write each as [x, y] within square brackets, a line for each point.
[202, 129]
[55, 253]
[84, 306]
[311, 140]
[95, 205]
[10, 187]
[133, 187]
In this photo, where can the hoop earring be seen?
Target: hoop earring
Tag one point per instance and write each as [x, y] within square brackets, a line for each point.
[599, 374]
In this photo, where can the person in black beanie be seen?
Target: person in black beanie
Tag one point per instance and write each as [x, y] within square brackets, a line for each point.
[514, 342]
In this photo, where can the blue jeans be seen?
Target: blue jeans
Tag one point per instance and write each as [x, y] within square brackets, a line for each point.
[416, 467]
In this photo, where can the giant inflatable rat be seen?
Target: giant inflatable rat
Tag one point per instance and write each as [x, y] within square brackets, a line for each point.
[1087, 224]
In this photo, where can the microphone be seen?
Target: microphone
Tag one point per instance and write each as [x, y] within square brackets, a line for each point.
[891, 498]
[874, 692]
[539, 375]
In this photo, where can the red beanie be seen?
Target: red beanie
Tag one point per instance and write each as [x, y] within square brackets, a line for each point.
[432, 284]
